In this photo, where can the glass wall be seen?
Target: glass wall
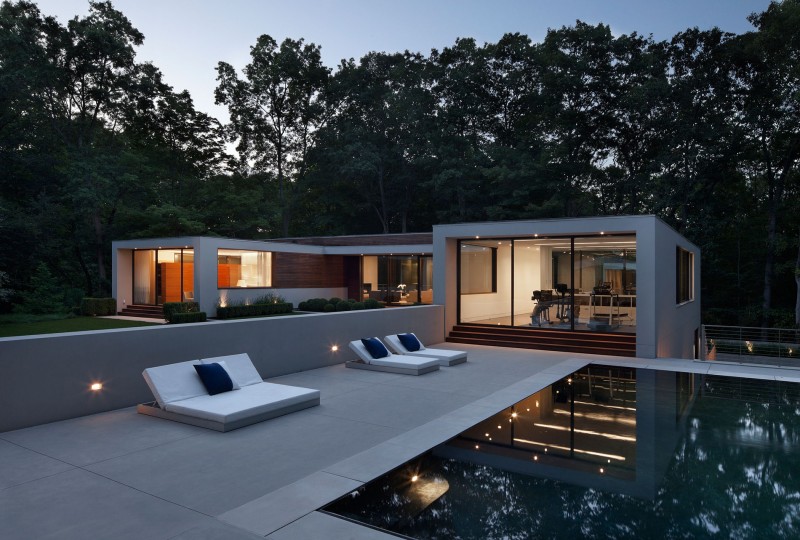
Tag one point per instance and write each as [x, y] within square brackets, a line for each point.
[163, 275]
[485, 281]
[398, 279]
[240, 268]
[570, 283]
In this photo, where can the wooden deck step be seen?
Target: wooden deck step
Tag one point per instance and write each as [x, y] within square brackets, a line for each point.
[615, 344]
[151, 312]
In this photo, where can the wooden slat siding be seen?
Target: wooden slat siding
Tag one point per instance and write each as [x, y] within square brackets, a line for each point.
[296, 270]
[365, 240]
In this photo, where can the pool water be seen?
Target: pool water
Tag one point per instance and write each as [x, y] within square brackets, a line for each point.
[674, 456]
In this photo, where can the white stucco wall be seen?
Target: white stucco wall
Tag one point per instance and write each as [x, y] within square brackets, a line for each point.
[46, 378]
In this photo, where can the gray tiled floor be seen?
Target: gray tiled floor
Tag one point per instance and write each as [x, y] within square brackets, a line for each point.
[123, 475]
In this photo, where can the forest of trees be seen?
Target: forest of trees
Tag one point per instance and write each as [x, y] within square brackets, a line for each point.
[702, 130]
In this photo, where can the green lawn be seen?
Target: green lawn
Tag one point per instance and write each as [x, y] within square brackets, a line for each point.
[75, 324]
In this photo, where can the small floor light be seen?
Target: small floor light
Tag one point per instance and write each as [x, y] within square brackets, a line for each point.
[96, 387]
[334, 348]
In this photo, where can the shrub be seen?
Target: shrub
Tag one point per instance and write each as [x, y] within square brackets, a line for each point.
[343, 305]
[98, 306]
[188, 317]
[269, 298]
[170, 308]
[303, 306]
[253, 310]
[329, 308]
[355, 306]
[317, 304]
[371, 303]
[334, 300]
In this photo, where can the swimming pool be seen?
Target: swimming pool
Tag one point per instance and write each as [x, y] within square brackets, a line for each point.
[607, 452]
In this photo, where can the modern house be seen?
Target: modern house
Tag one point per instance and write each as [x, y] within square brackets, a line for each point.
[394, 268]
[626, 285]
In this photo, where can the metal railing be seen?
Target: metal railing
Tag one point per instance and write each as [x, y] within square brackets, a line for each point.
[751, 345]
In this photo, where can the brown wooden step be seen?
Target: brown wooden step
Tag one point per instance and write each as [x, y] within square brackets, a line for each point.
[134, 310]
[546, 339]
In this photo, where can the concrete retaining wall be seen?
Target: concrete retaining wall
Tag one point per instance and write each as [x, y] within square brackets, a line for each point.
[47, 378]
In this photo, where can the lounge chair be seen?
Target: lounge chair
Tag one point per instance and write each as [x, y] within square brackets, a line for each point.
[391, 363]
[446, 357]
[182, 396]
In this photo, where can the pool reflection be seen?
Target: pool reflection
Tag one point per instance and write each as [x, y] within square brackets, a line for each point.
[681, 456]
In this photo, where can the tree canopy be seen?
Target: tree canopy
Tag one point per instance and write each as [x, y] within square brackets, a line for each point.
[702, 130]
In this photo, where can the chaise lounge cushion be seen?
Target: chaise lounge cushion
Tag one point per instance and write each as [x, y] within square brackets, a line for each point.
[174, 382]
[392, 360]
[375, 348]
[410, 342]
[447, 357]
[250, 401]
[239, 367]
[214, 378]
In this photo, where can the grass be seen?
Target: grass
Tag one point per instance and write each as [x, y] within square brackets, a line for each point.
[10, 327]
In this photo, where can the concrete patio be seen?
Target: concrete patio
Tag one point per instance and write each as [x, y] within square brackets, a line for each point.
[123, 475]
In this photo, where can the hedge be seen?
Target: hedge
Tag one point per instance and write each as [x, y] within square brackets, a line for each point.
[337, 304]
[189, 317]
[172, 308]
[98, 306]
[253, 310]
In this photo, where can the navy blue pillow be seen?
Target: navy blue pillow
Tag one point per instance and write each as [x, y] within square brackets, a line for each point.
[409, 341]
[214, 377]
[375, 348]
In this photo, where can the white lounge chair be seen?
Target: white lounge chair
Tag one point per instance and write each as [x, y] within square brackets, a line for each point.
[391, 363]
[446, 357]
[181, 395]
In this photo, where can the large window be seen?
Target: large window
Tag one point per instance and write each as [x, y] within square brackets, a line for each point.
[478, 269]
[684, 274]
[240, 268]
[398, 279]
[163, 275]
[583, 283]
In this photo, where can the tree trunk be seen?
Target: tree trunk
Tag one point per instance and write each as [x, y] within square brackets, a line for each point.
[797, 283]
[78, 255]
[769, 267]
[100, 241]
[384, 213]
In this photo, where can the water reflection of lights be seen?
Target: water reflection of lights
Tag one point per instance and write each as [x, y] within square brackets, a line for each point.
[598, 416]
[588, 432]
[577, 450]
[604, 406]
[425, 491]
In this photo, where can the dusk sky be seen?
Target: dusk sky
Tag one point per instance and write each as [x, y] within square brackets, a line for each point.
[186, 38]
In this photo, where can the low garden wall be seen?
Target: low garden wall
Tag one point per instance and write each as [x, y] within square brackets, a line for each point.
[47, 378]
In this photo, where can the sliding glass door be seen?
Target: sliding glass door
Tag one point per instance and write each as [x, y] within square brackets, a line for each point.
[163, 275]
[568, 283]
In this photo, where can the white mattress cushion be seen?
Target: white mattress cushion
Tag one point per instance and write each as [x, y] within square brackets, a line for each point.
[174, 382]
[239, 367]
[249, 401]
[406, 361]
[447, 354]
[358, 347]
[397, 346]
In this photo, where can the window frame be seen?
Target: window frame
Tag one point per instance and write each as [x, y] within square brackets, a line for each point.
[684, 276]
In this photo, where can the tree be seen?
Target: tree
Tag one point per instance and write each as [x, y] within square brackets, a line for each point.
[769, 74]
[43, 295]
[275, 111]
